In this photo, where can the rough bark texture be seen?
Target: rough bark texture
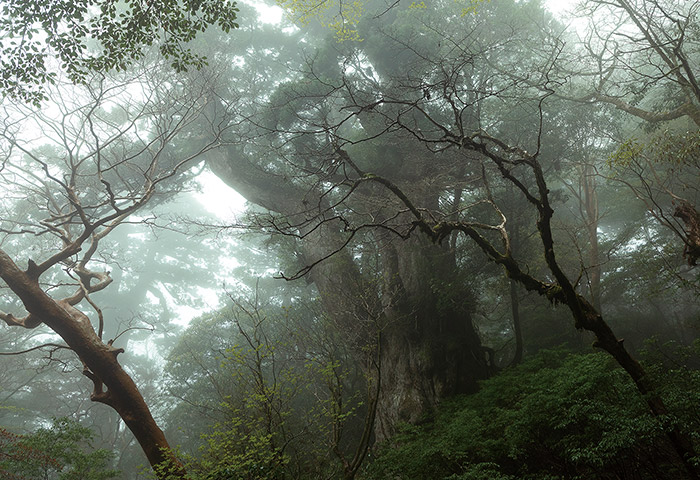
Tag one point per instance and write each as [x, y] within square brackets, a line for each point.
[517, 326]
[429, 347]
[690, 216]
[99, 360]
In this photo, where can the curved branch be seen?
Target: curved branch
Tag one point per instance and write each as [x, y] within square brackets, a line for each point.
[30, 321]
[652, 117]
[54, 346]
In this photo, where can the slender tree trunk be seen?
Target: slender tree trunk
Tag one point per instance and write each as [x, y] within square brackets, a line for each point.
[590, 199]
[606, 339]
[517, 327]
[587, 317]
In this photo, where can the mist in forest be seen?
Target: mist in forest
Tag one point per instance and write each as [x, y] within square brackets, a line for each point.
[378, 240]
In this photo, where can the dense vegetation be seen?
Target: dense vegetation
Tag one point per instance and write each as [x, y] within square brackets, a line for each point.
[558, 415]
[352, 247]
[61, 451]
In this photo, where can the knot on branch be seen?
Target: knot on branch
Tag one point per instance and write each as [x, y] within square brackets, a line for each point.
[441, 231]
[608, 346]
[11, 320]
[86, 277]
[29, 322]
[33, 271]
[554, 294]
[101, 397]
[98, 394]
[113, 350]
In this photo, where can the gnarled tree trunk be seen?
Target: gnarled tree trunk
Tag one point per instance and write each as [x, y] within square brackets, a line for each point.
[99, 360]
[429, 348]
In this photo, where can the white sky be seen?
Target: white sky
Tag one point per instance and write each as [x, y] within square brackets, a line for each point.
[559, 7]
[218, 198]
[269, 13]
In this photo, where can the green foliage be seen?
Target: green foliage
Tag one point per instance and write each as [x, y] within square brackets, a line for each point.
[35, 33]
[675, 369]
[339, 17]
[471, 6]
[250, 442]
[343, 17]
[626, 152]
[558, 415]
[61, 452]
[666, 147]
[230, 452]
[274, 390]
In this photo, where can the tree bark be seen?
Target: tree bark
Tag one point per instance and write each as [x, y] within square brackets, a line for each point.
[691, 218]
[99, 360]
[429, 347]
[517, 326]
[591, 218]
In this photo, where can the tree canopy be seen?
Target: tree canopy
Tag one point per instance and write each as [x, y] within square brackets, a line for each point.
[78, 38]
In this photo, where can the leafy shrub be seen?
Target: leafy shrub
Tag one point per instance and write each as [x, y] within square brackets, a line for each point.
[61, 452]
[558, 415]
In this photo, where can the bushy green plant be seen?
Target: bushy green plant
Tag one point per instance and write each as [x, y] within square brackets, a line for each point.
[558, 415]
[675, 368]
[60, 452]
[279, 393]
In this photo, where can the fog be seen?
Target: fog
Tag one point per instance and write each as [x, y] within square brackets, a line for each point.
[370, 240]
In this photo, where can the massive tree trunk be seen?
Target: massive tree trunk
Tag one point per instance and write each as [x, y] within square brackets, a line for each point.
[99, 360]
[428, 347]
